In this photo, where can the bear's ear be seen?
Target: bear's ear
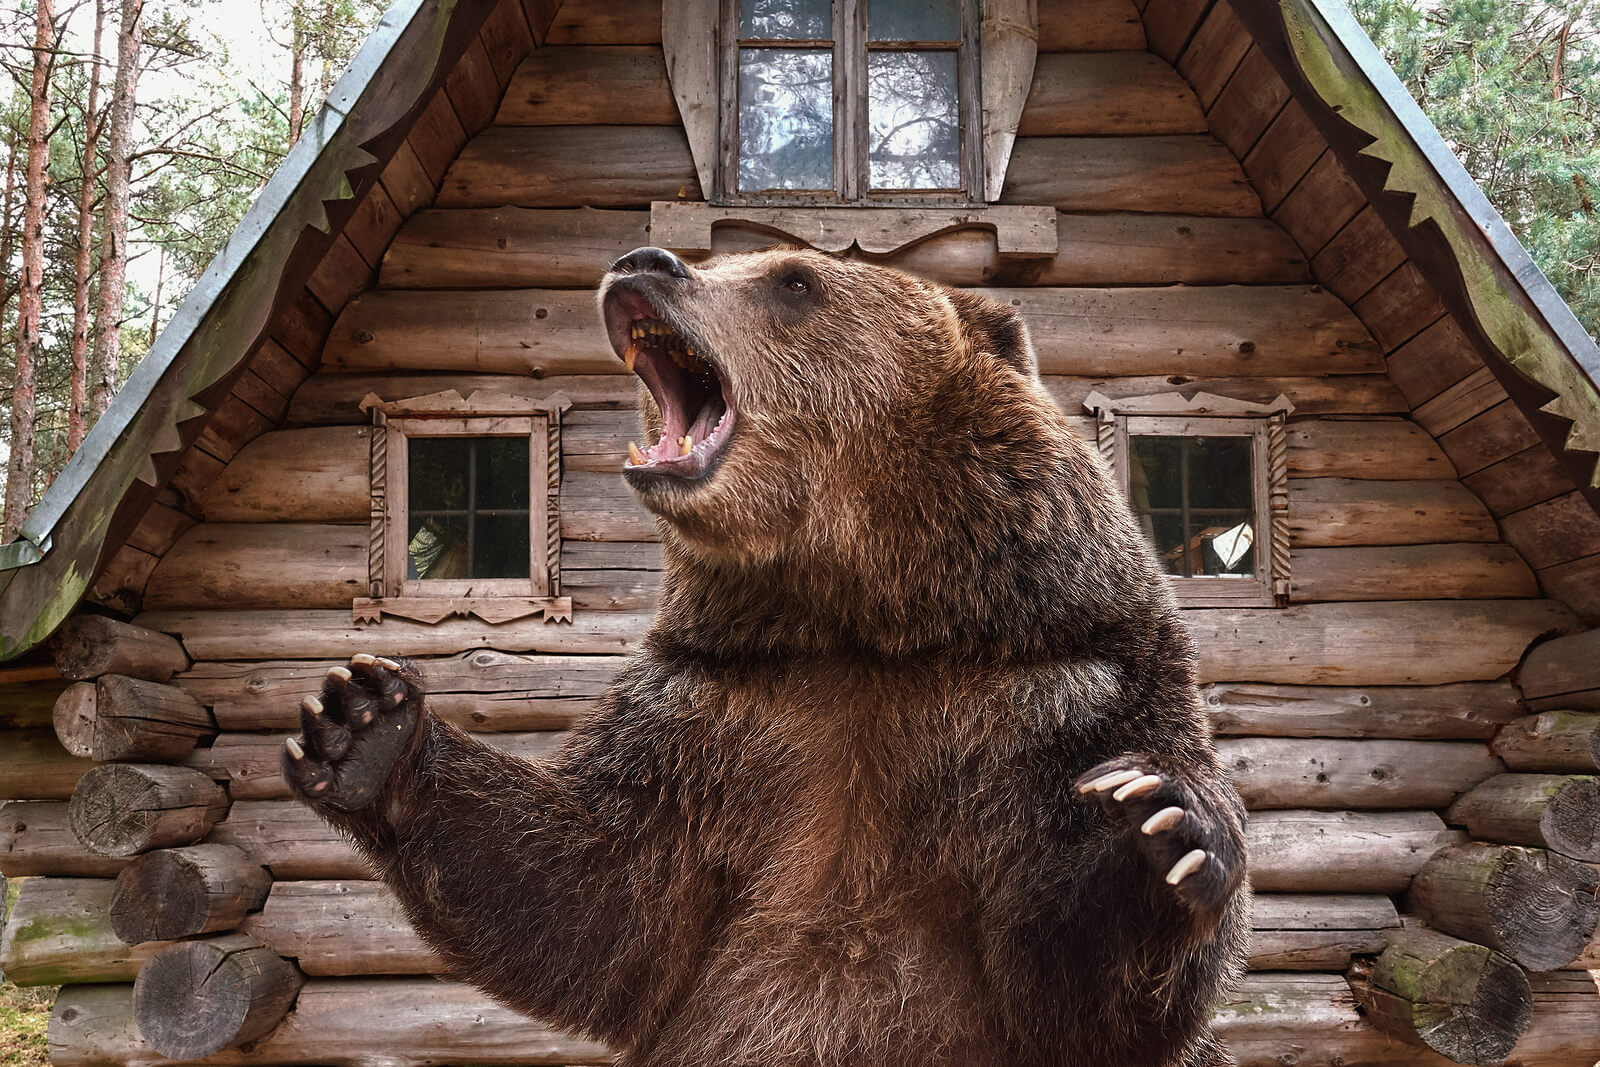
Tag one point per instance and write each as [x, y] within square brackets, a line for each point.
[997, 329]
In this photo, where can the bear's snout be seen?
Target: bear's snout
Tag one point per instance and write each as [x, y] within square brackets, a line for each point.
[651, 260]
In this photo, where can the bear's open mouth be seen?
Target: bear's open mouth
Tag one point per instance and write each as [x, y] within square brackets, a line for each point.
[697, 415]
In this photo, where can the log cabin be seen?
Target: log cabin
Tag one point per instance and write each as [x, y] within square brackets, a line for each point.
[1256, 277]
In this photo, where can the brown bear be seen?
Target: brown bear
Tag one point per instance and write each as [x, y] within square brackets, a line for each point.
[910, 769]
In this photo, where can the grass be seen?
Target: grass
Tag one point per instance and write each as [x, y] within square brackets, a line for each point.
[24, 1015]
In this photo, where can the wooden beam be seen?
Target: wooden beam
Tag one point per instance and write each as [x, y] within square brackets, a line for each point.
[1410, 572]
[261, 565]
[88, 646]
[119, 809]
[1466, 710]
[571, 166]
[590, 85]
[183, 892]
[1561, 672]
[1317, 931]
[1187, 174]
[1330, 512]
[1341, 851]
[1108, 94]
[1280, 772]
[59, 931]
[315, 474]
[196, 998]
[34, 766]
[1560, 812]
[36, 839]
[1560, 742]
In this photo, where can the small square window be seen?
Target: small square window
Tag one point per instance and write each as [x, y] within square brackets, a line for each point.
[1206, 479]
[465, 508]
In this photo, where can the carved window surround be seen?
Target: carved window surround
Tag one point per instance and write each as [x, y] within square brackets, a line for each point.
[1019, 230]
[447, 414]
[1207, 415]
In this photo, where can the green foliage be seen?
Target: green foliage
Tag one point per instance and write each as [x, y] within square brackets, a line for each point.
[1514, 87]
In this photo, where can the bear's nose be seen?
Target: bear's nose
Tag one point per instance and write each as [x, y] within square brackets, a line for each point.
[650, 260]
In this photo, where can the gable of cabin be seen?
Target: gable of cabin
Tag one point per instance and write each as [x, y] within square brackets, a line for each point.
[1209, 239]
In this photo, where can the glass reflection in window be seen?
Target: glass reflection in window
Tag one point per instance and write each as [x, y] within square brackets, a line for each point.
[913, 20]
[1194, 496]
[468, 507]
[785, 119]
[787, 20]
[915, 120]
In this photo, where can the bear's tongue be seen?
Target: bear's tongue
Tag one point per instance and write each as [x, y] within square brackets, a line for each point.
[695, 417]
[705, 431]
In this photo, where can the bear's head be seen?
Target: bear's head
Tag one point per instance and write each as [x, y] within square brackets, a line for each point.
[850, 431]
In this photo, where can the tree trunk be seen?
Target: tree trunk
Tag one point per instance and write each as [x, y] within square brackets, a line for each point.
[84, 268]
[7, 229]
[155, 304]
[114, 249]
[30, 292]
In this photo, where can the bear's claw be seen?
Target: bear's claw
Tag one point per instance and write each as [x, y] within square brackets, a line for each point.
[351, 737]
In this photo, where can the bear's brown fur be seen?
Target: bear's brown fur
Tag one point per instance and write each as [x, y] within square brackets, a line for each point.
[827, 814]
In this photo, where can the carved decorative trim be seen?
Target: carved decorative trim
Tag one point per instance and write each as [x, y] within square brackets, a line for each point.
[377, 519]
[450, 404]
[492, 610]
[552, 503]
[1278, 486]
[1019, 230]
[1178, 403]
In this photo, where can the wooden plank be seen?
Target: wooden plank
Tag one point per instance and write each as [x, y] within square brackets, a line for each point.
[1475, 393]
[59, 932]
[1090, 26]
[599, 507]
[337, 928]
[1354, 394]
[1358, 257]
[1331, 512]
[341, 274]
[1399, 307]
[254, 391]
[1215, 50]
[498, 248]
[590, 85]
[1283, 155]
[1317, 931]
[437, 137]
[1170, 23]
[1419, 642]
[1279, 772]
[1520, 480]
[1558, 530]
[1577, 585]
[617, 22]
[399, 1022]
[1108, 94]
[406, 182]
[262, 565]
[1180, 174]
[473, 88]
[1341, 851]
[1432, 361]
[506, 39]
[1466, 710]
[231, 424]
[1561, 667]
[1387, 449]
[1410, 572]
[504, 692]
[35, 839]
[1320, 205]
[333, 399]
[318, 474]
[571, 166]
[34, 766]
[159, 527]
[1496, 434]
[1248, 103]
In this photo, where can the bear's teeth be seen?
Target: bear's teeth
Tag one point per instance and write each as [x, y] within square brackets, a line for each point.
[685, 445]
[630, 354]
[634, 455]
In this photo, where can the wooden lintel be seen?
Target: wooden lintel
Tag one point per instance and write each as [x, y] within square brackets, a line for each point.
[451, 404]
[1020, 230]
[1177, 403]
[430, 610]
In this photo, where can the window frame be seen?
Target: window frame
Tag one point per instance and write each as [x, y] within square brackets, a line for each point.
[1207, 415]
[448, 415]
[850, 49]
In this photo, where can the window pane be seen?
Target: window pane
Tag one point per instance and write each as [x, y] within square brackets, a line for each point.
[468, 500]
[785, 119]
[1194, 497]
[913, 20]
[787, 19]
[915, 120]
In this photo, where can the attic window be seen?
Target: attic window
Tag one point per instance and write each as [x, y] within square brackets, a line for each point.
[850, 101]
[464, 509]
[1207, 479]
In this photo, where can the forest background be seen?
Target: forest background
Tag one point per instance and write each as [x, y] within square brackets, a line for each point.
[134, 134]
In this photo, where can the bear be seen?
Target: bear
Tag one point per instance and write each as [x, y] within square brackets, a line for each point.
[910, 768]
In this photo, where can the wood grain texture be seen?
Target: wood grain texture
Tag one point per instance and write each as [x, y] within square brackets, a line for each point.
[1282, 772]
[1248, 103]
[1560, 812]
[120, 809]
[1317, 931]
[508, 247]
[183, 892]
[195, 998]
[1090, 26]
[1108, 94]
[571, 166]
[1563, 742]
[1209, 59]
[1390, 449]
[35, 839]
[1341, 851]
[590, 85]
[59, 931]
[34, 766]
[1466, 710]
[262, 565]
[1286, 151]
[1329, 512]
[341, 928]
[305, 475]
[87, 646]
[1319, 205]
[333, 399]
[1410, 572]
[1563, 667]
[1186, 174]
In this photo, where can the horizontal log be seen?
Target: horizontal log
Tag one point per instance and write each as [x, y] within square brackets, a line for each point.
[571, 166]
[1410, 572]
[36, 839]
[600, 507]
[34, 766]
[597, 589]
[1376, 643]
[183, 892]
[1554, 741]
[118, 809]
[341, 928]
[1537, 907]
[1341, 851]
[590, 85]
[59, 932]
[1560, 812]
[122, 718]
[509, 247]
[1317, 931]
[334, 399]
[1466, 710]
[1283, 772]
[289, 839]
[508, 692]
[196, 998]
[1185, 174]
[87, 646]
[262, 565]
[619, 22]
[1461, 1000]
[302, 475]
[250, 764]
[1393, 449]
[29, 705]
[1108, 94]
[1560, 674]
[1091, 26]
[1336, 512]
[412, 1022]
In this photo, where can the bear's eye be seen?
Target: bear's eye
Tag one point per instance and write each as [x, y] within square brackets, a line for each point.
[796, 284]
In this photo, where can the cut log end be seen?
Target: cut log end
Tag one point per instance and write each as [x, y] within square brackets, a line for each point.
[182, 892]
[123, 718]
[88, 646]
[194, 999]
[119, 809]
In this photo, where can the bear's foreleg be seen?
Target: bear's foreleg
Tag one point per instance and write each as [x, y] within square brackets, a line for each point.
[1187, 821]
[567, 898]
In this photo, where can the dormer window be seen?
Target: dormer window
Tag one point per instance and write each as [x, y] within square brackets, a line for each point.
[850, 102]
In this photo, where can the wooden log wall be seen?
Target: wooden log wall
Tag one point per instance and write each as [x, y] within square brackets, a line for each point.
[1207, 240]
